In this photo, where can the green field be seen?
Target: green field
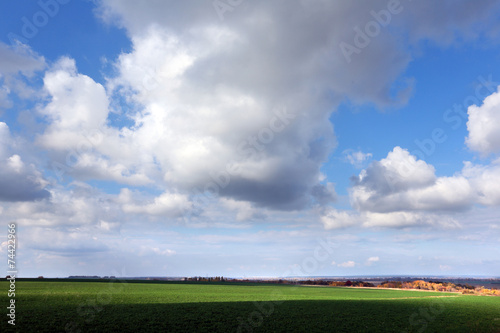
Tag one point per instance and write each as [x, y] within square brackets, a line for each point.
[229, 307]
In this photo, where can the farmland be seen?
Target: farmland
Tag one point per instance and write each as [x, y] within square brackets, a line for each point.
[127, 306]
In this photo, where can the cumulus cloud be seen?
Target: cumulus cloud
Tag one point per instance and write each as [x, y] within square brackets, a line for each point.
[484, 180]
[77, 106]
[239, 110]
[254, 148]
[78, 136]
[401, 183]
[401, 191]
[209, 89]
[484, 125]
[270, 159]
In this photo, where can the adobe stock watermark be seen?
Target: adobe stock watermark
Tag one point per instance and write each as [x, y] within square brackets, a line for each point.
[246, 149]
[31, 25]
[454, 117]
[323, 252]
[12, 272]
[223, 6]
[364, 35]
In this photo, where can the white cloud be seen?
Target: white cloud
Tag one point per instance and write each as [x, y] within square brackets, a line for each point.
[347, 264]
[484, 125]
[401, 191]
[484, 180]
[399, 171]
[269, 159]
[15, 163]
[357, 158]
[78, 137]
[379, 190]
[78, 106]
[484, 137]
[408, 219]
[401, 183]
[167, 204]
[370, 261]
[333, 219]
[256, 151]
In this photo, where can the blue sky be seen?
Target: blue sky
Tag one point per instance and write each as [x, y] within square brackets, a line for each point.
[251, 138]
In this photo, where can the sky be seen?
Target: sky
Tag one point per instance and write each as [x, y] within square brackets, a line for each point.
[250, 138]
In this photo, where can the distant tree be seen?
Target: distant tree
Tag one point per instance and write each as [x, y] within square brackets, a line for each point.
[337, 283]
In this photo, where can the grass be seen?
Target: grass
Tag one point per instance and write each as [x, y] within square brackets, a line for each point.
[43, 306]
